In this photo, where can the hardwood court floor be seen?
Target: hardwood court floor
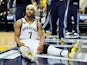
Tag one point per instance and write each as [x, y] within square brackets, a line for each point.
[7, 40]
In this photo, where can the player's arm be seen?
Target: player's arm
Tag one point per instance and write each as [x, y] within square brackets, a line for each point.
[41, 34]
[17, 30]
[42, 38]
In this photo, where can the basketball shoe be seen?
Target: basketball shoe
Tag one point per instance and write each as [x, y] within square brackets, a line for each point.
[75, 50]
[27, 53]
[62, 41]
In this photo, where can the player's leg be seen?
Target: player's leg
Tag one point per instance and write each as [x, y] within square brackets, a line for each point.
[51, 50]
[76, 22]
[30, 49]
[69, 23]
[27, 53]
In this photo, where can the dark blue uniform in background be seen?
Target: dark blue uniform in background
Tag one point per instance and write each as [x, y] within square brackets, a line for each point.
[72, 11]
[58, 11]
[20, 7]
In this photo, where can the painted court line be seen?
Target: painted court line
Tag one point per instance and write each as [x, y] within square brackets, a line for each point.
[63, 58]
[12, 54]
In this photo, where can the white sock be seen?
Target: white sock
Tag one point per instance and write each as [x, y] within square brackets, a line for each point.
[64, 53]
[56, 51]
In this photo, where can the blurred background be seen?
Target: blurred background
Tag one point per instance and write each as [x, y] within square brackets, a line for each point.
[12, 10]
[8, 13]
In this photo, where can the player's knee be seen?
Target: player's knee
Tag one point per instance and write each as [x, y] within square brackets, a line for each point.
[24, 50]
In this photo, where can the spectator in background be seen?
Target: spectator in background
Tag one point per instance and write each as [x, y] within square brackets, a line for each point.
[3, 14]
[3, 6]
[57, 12]
[48, 5]
[48, 17]
[72, 11]
[83, 6]
[20, 7]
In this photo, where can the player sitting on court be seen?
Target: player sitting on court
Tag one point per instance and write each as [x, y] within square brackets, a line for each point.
[30, 39]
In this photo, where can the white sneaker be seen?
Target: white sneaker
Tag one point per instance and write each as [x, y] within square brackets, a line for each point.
[32, 56]
[76, 34]
[68, 33]
[26, 53]
[62, 41]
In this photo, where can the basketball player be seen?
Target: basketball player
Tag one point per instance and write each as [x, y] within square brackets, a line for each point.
[29, 37]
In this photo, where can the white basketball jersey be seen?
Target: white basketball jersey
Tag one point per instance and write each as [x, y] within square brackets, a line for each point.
[29, 31]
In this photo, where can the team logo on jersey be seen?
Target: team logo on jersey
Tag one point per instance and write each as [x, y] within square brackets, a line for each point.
[29, 28]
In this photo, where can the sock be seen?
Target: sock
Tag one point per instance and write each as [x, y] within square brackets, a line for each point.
[56, 51]
[64, 53]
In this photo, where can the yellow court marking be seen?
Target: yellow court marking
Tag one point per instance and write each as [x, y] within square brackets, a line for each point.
[6, 47]
[7, 40]
[3, 49]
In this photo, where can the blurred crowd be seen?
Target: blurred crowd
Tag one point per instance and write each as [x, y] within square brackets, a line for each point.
[56, 16]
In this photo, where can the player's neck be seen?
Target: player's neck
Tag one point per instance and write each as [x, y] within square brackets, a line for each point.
[29, 18]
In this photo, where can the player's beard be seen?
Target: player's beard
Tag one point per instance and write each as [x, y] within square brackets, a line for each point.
[30, 15]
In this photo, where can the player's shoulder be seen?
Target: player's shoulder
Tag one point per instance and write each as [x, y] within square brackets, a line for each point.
[18, 22]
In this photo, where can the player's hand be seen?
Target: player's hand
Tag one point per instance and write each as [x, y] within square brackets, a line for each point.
[21, 44]
[40, 48]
